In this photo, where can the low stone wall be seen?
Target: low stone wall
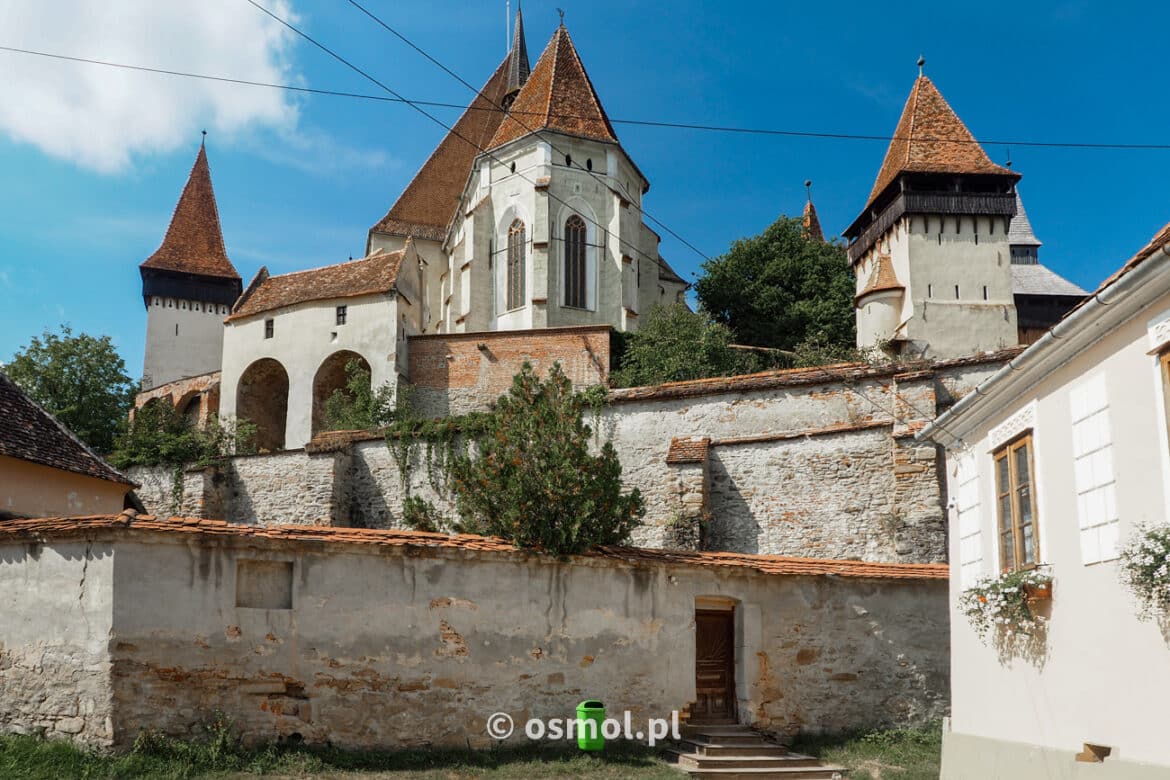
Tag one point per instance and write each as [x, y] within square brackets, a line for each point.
[816, 462]
[376, 641]
[56, 620]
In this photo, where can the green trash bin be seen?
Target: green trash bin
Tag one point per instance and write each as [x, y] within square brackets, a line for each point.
[590, 717]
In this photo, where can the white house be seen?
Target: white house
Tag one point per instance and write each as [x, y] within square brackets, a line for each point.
[1055, 462]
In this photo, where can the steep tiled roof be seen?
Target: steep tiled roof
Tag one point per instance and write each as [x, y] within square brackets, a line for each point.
[557, 96]
[882, 277]
[426, 206]
[931, 138]
[194, 241]
[810, 223]
[377, 273]
[55, 528]
[1020, 228]
[28, 432]
[1036, 279]
[688, 449]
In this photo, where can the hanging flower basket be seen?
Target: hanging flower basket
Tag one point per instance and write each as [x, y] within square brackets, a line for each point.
[1144, 566]
[1007, 604]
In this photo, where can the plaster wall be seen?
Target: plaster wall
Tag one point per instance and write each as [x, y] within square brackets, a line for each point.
[304, 336]
[32, 490]
[385, 649]
[183, 339]
[56, 620]
[1100, 676]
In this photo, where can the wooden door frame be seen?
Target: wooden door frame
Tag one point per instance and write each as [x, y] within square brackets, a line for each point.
[730, 613]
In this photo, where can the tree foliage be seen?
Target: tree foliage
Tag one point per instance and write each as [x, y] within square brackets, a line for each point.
[675, 344]
[359, 407]
[160, 435]
[81, 380]
[779, 289]
[533, 479]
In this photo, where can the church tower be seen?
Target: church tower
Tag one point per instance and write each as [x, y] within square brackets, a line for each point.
[188, 286]
[930, 250]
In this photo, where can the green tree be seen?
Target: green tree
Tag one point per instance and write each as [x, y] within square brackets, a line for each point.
[160, 435]
[359, 407]
[779, 289]
[676, 344]
[533, 479]
[81, 380]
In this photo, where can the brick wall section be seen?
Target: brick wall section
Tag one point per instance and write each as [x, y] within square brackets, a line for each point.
[455, 373]
[205, 386]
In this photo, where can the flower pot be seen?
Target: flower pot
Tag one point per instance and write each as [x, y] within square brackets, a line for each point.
[1036, 594]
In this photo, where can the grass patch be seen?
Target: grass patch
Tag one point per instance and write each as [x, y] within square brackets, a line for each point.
[897, 754]
[219, 754]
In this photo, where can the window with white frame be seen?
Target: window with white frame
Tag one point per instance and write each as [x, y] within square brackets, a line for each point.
[1093, 470]
[970, 520]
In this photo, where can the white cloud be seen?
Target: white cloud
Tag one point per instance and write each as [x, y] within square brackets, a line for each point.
[102, 118]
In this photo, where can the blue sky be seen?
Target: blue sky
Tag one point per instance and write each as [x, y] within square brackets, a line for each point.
[93, 160]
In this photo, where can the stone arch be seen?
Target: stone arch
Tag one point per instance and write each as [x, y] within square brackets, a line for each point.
[190, 407]
[329, 378]
[262, 399]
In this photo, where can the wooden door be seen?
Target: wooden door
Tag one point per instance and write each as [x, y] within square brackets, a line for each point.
[714, 666]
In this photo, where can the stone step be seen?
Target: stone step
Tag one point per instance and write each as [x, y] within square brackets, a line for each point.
[787, 773]
[704, 746]
[704, 762]
[726, 735]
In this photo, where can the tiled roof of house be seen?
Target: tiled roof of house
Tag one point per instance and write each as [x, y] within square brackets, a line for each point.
[810, 223]
[557, 96]
[1161, 240]
[376, 273]
[688, 449]
[425, 208]
[194, 240]
[129, 521]
[29, 433]
[882, 277]
[1020, 228]
[666, 273]
[1036, 279]
[931, 138]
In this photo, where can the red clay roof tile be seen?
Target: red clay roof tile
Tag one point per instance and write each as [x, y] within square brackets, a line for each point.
[194, 240]
[930, 138]
[557, 96]
[58, 527]
[688, 449]
[377, 273]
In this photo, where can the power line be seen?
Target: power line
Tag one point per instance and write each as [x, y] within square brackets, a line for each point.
[526, 128]
[425, 113]
[634, 122]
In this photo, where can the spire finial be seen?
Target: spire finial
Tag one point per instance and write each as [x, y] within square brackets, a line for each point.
[921, 63]
[1009, 157]
[562, 13]
[808, 189]
[203, 143]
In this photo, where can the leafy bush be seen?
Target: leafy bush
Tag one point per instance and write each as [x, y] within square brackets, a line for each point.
[1145, 569]
[359, 407]
[159, 435]
[421, 515]
[533, 479]
[1001, 603]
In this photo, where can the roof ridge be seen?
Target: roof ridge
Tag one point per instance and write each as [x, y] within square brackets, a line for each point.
[374, 255]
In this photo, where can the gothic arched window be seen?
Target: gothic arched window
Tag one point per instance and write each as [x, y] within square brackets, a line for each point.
[575, 295]
[515, 281]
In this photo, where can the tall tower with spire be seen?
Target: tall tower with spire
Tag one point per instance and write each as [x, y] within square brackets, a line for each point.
[188, 286]
[930, 250]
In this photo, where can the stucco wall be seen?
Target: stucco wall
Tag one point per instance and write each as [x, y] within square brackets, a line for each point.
[32, 490]
[385, 649]
[56, 610]
[1100, 677]
[183, 339]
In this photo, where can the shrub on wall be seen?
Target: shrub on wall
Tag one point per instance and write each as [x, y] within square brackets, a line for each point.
[532, 478]
[1145, 569]
[359, 407]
